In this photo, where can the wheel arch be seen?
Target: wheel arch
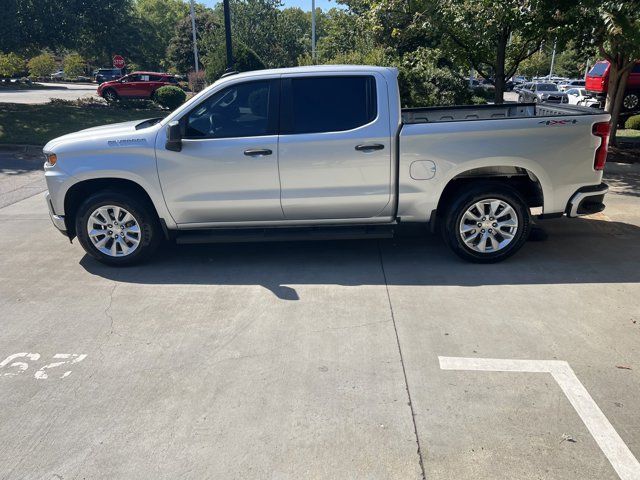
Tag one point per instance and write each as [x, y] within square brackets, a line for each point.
[80, 191]
[522, 179]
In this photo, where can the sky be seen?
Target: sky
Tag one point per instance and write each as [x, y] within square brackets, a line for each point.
[303, 4]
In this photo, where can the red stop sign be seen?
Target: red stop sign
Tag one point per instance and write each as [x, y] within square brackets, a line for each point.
[118, 61]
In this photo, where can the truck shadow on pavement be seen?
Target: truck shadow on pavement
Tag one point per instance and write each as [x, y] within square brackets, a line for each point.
[576, 251]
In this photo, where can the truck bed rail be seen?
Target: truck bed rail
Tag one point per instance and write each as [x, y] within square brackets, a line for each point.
[491, 112]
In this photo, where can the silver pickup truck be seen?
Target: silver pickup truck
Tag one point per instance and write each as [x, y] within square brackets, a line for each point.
[324, 152]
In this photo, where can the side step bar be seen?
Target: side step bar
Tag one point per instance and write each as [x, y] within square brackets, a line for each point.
[283, 234]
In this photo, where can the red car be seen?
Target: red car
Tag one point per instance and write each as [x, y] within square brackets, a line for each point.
[135, 85]
[597, 83]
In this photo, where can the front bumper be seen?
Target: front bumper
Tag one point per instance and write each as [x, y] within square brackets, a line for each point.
[587, 200]
[58, 220]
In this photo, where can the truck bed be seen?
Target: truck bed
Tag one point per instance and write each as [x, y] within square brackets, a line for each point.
[491, 112]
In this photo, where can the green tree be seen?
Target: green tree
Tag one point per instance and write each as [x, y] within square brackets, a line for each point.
[495, 36]
[42, 65]
[158, 20]
[614, 27]
[11, 64]
[180, 50]
[73, 65]
[245, 60]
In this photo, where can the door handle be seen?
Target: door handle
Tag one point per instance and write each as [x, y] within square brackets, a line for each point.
[257, 152]
[369, 147]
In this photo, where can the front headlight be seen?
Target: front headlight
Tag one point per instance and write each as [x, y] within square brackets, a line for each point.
[51, 158]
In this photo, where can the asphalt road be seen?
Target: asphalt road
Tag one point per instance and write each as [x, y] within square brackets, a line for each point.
[321, 360]
[65, 91]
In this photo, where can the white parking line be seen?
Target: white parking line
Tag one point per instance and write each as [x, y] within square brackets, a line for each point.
[614, 448]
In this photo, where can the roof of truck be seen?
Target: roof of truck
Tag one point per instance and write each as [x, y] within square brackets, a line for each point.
[316, 68]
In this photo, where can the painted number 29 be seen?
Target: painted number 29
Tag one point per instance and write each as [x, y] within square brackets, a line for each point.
[18, 363]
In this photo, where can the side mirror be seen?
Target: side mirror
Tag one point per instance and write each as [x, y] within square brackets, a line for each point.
[174, 137]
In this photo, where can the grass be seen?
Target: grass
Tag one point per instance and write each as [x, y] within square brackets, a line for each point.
[628, 134]
[37, 124]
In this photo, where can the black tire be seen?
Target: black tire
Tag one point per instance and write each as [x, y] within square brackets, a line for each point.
[465, 198]
[150, 235]
[110, 95]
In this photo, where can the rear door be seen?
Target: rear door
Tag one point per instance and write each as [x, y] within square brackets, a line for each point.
[334, 146]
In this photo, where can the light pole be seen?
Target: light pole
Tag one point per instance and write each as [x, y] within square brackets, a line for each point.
[227, 34]
[195, 43]
[313, 30]
[553, 58]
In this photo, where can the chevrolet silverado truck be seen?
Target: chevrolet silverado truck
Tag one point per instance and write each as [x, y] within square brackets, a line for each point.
[324, 152]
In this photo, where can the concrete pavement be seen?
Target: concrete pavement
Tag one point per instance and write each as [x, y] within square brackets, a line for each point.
[317, 360]
[47, 91]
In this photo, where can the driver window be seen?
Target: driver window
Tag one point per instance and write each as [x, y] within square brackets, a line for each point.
[241, 110]
[131, 78]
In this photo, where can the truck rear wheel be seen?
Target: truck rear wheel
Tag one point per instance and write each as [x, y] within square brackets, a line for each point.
[117, 229]
[487, 223]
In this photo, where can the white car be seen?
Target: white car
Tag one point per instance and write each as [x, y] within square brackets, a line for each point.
[564, 86]
[59, 75]
[324, 152]
[579, 96]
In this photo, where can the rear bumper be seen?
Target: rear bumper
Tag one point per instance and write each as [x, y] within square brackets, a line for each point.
[587, 200]
[57, 220]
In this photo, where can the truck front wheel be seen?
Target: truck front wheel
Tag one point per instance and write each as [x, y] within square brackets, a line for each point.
[117, 229]
[487, 223]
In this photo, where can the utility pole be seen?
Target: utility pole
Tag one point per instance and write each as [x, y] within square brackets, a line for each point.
[553, 57]
[313, 30]
[195, 43]
[227, 34]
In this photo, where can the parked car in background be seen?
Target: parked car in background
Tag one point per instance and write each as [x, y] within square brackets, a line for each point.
[597, 84]
[541, 92]
[576, 95]
[107, 74]
[571, 84]
[59, 75]
[135, 85]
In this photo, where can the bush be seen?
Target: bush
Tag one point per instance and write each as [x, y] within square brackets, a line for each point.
[73, 65]
[196, 81]
[10, 64]
[633, 123]
[42, 65]
[170, 97]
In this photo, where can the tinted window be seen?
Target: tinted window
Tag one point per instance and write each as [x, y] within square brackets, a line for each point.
[636, 68]
[238, 111]
[598, 69]
[329, 104]
[572, 91]
[546, 87]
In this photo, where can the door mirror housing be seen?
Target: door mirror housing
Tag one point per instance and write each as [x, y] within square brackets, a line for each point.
[174, 137]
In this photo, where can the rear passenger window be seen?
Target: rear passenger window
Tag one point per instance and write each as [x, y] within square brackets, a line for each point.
[328, 104]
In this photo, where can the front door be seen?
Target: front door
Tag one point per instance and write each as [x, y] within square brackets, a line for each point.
[334, 147]
[227, 170]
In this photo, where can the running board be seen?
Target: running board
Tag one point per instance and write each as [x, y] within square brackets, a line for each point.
[283, 234]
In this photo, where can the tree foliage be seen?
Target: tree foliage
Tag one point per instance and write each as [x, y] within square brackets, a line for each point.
[42, 65]
[11, 64]
[73, 65]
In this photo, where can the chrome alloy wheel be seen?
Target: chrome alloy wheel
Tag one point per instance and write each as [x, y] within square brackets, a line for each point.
[488, 225]
[114, 231]
[631, 101]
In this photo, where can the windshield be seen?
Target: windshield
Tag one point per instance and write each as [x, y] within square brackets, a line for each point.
[547, 87]
[598, 69]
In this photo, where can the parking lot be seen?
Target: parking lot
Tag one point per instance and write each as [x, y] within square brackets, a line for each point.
[386, 359]
[43, 92]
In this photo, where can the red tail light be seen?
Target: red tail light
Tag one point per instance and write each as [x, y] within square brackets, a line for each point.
[601, 130]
